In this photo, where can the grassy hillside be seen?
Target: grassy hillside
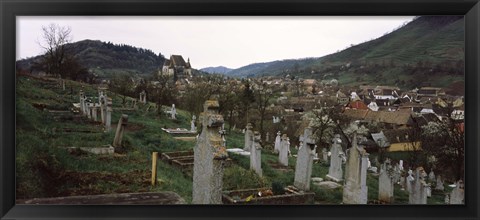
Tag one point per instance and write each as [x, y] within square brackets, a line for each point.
[105, 58]
[428, 47]
[45, 168]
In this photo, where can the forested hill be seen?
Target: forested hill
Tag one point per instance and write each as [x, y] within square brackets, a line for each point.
[106, 58]
[427, 45]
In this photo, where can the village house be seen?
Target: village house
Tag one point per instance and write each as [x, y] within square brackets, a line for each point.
[401, 140]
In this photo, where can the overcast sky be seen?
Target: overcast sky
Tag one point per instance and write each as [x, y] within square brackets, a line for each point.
[213, 41]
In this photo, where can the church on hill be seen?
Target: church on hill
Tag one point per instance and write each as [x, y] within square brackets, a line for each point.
[177, 67]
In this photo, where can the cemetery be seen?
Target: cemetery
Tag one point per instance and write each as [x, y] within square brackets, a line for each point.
[96, 150]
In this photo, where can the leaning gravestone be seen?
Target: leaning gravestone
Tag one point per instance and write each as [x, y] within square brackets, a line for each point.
[335, 171]
[248, 137]
[284, 147]
[303, 168]
[209, 158]
[417, 193]
[122, 123]
[278, 139]
[385, 183]
[256, 154]
[355, 190]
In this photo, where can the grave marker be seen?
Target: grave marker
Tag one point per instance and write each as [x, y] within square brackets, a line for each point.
[355, 190]
[122, 123]
[303, 168]
[248, 137]
[337, 157]
[256, 154]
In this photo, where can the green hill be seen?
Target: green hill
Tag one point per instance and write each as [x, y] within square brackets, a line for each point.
[427, 46]
[105, 58]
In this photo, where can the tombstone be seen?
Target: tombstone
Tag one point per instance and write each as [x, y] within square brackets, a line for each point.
[209, 158]
[408, 179]
[325, 155]
[256, 154]
[267, 137]
[94, 112]
[447, 199]
[431, 176]
[355, 190]
[134, 104]
[108, 115]
[89, 110]
[385, 183]
[103, 103]
[337, 157]
[143, 97]
[400, 165]
[81, 101]
[417, 193]
[248, 137]
[277, 142]
[173, 112]
[439, 184]
[457, 196]
[429, 191]
[283, 151]
[289, 153]
[192, 124]
[122, 123]
[402, 183]
[303, 168]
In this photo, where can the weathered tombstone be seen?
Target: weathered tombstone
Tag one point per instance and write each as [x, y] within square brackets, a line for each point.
[209, 158]
[325, 155]
[81, 101]
[431, 176]
[355, 190]
[278, 139]
[400, 165]
[439, 184]
[94, 112]
[409, 179]
[108, 115]
[256, 154]
[283, 155]
[429, 191]
[267, 137]
[402, 183]
[122, 123]
[303, 168]
[337, 157]
[457, 196]
[192, 124]
[385, 183]
[173, 111]
[103, 105]
[143, 97]
[89, 110]
[418, 187]
[248, 137]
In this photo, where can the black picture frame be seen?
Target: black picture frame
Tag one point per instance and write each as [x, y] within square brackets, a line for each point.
[9, 9]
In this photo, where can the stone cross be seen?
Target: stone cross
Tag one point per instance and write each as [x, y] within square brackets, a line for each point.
[108, 115]
[335, 171]
[355, 190]
[385, 183]
[457, 196]
[417, 193]
[248, 137]
[122, 123]
[303, 168]
[284, 147]
[278, 139]
[173, 111]
[439, 184]
[256, 154]
[209, 158]
[192, 124]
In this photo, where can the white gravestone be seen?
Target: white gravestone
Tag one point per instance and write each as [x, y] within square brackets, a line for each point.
[256, 154]
[355, 190]
[173, 112]
[248, 137]
[417, 193]
[385, 182]
[278, 139]
[337, 157]
[283, 155]
[303, 168]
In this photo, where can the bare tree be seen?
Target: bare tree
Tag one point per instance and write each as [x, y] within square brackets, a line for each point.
[54, 39]
[262, 97]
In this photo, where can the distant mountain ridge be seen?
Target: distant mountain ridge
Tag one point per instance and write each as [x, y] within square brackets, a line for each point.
[426, 45]
[218, 69]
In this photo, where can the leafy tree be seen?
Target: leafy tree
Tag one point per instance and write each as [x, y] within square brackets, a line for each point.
[162, 91]
[122, 84]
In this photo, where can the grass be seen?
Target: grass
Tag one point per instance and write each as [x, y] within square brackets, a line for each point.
[42, 160]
